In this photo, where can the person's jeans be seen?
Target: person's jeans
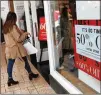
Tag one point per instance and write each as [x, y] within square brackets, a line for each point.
[11, 63]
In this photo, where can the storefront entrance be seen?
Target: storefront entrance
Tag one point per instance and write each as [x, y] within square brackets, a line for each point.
[75, 44]
[29, 14]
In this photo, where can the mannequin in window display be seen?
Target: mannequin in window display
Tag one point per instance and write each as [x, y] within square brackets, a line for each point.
[65, 25]
[72, 9]
[66, 31]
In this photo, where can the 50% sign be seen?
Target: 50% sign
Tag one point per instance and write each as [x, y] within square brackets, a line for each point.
[89, 37]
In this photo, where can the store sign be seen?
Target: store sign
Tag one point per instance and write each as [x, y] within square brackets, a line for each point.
[42, 32]
[88, 41]
[87, 49]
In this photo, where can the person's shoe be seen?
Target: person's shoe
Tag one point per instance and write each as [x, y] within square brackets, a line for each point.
[61, 68]
[12, 82]
[32, 75]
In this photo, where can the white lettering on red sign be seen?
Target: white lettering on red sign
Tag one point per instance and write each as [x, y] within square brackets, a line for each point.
[42, 26]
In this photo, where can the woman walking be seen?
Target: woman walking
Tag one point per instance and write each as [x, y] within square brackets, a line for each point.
[14, 38]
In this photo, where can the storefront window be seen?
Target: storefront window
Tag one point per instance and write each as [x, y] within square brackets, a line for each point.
[64, 19]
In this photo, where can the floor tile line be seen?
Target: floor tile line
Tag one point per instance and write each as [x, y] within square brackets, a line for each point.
[35, 88]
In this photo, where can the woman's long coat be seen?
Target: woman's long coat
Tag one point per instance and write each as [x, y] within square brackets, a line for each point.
[14, 47]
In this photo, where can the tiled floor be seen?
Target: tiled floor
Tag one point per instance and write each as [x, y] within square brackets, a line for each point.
[36, 86]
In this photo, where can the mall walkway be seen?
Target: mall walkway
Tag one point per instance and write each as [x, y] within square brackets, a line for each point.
[36, 86]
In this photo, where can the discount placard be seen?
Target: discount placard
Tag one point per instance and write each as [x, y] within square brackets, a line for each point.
[42, 32]
[88, 41]
[87, 49]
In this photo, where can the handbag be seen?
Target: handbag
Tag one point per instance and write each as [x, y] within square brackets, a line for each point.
[29, 47]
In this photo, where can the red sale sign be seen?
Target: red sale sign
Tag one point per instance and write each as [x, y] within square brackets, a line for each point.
[87, 50]
[42, 32]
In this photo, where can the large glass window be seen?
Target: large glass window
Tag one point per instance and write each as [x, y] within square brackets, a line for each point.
[64, 19]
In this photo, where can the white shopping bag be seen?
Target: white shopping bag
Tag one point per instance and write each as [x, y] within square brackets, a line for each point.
[30, 48]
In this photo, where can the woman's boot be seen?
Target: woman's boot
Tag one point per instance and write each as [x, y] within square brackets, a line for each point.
[12, 82]
[32, 75]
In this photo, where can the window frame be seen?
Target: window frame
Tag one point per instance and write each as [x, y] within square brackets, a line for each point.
[51, 51]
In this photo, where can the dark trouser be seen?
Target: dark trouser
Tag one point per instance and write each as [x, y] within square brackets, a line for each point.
[11, 63]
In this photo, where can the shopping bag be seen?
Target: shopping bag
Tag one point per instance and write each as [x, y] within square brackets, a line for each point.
[30, 48]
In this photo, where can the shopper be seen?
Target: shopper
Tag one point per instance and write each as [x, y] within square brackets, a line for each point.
[14, 38]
